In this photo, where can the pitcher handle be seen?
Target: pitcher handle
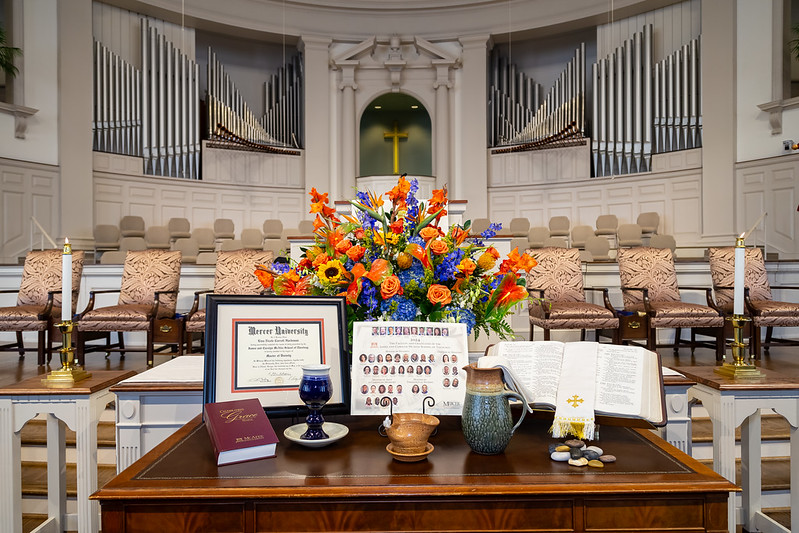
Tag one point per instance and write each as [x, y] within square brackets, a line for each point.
[513, 394]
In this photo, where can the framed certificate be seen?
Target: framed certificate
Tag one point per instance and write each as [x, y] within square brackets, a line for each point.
[256, 346]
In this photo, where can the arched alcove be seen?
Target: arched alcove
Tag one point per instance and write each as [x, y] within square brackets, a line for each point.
[415, 149]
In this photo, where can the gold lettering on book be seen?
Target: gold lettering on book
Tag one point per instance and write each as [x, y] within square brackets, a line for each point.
[575, 400]
[250, 438]
[231, 415]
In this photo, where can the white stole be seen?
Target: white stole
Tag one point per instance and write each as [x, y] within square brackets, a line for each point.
[574, 408]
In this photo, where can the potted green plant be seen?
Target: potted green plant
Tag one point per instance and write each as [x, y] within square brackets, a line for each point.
[7, 55]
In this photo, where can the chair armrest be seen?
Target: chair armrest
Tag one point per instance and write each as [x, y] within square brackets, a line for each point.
[195, 305]
[539, 291]
[157, 300]
[48, 309]
[90, 305]
[605, 297]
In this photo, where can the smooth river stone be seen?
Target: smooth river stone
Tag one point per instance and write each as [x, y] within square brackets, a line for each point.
[596, 464]
[562, 448]
[590, 454]
[574, 443]
[576, 453]
[553, 447]
[607, 458]
[582, 461]
[596, 449]
[560, 456]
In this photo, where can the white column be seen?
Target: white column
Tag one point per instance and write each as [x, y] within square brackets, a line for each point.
[718, 120]
[442, 86]
[75, 99]
[348, 129]
[56, 472]
[315, 55]
[11, 487]
[470, 179]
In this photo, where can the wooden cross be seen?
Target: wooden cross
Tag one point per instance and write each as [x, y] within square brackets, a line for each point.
[395, 136]
[575, 400]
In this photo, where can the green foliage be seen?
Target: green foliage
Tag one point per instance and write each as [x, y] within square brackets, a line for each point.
[794, 43]
[7, 55]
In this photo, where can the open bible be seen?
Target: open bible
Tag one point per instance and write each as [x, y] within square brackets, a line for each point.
[620, 385]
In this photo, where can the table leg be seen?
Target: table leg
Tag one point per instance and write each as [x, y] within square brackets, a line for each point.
[10, 465]
[56, 471]
[86, 448]
[751, 469]
[722, 414]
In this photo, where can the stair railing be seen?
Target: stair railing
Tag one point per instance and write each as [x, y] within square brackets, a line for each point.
[44, 234]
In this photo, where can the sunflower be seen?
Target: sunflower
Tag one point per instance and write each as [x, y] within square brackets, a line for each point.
[332, 273]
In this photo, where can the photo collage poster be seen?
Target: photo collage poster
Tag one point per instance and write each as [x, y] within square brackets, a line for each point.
[406, 362]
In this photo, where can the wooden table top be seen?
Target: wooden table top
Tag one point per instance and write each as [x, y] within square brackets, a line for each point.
[183, 466]
[770, 379]
[99, 380]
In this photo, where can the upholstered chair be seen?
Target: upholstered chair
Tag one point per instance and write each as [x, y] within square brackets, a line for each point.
[188, 249]
[580, 234]
[273, 236]
[555, 242]
[649, 285]
[106, 238]
[235, 274]
[599, 248]
[39, 300]
[148, 292]
[560, 226]
[131, 226]
[157, 237]
[179, 228]
[205, 239]
[224, 229]
[606, 226]
[629, 236]
[649, 224]
[305, 227]
[759, 303]
[252, 239]
[519, 226]
[536, 236]
[557, 282]
[661, 240]
[479, 225]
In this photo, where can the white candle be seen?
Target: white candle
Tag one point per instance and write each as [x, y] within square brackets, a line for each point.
[66, 282]
[740, 264]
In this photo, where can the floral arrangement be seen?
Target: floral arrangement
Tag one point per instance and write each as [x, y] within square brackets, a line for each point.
[396, 263]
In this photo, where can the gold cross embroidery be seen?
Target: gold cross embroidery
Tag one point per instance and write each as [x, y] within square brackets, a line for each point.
[575, 401]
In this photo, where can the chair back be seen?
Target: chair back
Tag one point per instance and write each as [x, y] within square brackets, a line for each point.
[188, 249]
[252, 238]
[224, 228]
[559, 226]
[519, 227]
[179, 228]
[157, 237]
[148, 271]
[629, 235]
[204, 238]
[235, 271]
[132, 244]
[273, 228]
[106, 236]
[41, 273]
[555, 242]
[305, 227]
[479, 225]
[599, 247]
[722, 270]
[649, 268]
[649, 222]
[131, 226]
[659, 240]
[536, 236]
[558, 273]
[580, 234]
[606, 225]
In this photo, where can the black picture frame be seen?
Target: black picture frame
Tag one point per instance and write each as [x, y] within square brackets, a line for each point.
[322, 318]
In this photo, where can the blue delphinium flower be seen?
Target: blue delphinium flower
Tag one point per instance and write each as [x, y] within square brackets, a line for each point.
[464, 316]
[280, 268]
[448, 267]
[492, 230]
[368, 298]
[366, 220]
[399, 308]
[411, 201]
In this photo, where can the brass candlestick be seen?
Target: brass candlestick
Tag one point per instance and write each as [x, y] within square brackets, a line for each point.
[69, 372]
[739, 368]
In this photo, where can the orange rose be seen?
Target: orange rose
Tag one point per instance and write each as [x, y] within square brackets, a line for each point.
[389, 287]
[359, 233]
[438, 247]
[356, 252]
[428, 233]
[320, 260]
[343, 246]
[439, 294]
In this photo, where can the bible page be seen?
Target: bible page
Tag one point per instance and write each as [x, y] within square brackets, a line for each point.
[537, 365]
[620, 378]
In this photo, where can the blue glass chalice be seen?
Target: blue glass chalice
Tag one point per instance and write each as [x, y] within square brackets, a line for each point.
[315, 390]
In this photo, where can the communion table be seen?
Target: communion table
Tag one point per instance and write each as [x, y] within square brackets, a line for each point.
[355, 485]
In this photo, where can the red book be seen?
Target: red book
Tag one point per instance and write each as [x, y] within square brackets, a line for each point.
[240, 431]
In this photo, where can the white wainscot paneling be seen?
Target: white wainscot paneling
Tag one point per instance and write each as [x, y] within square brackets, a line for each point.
[540, 166]
[26, 190]
[252, 168]
[770, 186]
